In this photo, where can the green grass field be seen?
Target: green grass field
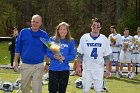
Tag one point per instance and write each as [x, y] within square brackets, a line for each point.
[123, 85]
[4, 53]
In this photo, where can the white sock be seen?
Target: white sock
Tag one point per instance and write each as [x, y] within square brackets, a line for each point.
[128, 72]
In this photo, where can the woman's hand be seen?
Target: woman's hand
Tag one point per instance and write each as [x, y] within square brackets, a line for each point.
[57, 56]
[61, 58]
[107, 74]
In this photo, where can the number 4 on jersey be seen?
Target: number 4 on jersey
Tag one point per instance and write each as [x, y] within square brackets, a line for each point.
[94, 53]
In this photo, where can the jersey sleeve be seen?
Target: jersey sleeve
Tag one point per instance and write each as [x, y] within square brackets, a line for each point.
[130, 42]
[120, 40]
[80, 46]
[108, 49]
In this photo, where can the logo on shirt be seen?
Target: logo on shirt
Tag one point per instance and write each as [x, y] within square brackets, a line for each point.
[63, 46]
[94, 44]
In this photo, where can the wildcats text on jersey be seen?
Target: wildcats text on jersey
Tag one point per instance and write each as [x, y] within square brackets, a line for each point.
[94, 44]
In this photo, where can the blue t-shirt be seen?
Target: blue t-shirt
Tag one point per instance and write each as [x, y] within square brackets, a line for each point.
[67, 50]
[31, 49]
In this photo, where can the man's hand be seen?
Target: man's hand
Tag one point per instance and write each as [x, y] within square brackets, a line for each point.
[107, 74]
[78, 71]
[16, 67]
[108, 69]
[77, 67]
[46, 68]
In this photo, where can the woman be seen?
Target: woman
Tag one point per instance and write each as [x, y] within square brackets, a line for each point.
[12, 46]
[59, 63]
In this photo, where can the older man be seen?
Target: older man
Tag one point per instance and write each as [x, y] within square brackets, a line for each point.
[32, 52]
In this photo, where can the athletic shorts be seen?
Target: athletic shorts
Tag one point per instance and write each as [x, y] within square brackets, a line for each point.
[89, 76]
[135, 58]
[114, 56]
[125, 57]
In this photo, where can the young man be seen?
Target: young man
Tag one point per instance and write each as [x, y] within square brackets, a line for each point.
[135, 52]
[125, 54]
[115, 43]
[92, 47]
[32, 52]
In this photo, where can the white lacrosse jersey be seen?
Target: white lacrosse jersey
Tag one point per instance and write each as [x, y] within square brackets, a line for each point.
[136, 37]
[93, 50]
[118, 42]
[135, 48]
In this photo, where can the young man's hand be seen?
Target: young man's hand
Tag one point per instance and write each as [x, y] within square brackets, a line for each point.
[77, 67]
[107, 74]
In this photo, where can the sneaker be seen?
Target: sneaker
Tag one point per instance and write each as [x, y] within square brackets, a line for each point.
[69, 83]
[110, 74]
[117, 75]
[121, 75]
[128, 75]
[92, 85]
[132, 75]
[104, 90]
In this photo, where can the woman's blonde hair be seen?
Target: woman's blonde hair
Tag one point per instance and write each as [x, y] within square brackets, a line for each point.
[57, 35]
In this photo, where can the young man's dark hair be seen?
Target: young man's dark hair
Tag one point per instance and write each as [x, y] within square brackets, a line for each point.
[97, 20]
[113, 26]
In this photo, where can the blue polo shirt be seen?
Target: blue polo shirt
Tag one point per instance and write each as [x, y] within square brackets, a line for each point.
[31, 49]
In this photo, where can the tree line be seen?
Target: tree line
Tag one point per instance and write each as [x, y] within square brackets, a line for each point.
[78, 13]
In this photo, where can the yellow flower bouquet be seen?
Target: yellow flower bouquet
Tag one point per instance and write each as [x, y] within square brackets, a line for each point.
[125, 45]
[138, 44]
[55, 48]
[133, 40]
[113, 39]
